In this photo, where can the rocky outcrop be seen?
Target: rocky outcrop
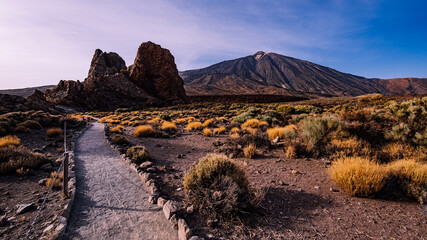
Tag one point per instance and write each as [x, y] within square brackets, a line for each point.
[13, 103]
[105, 64]
[154, 81]
[154, 70]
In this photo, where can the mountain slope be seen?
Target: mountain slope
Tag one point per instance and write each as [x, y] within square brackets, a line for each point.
[271, 73]
[25, 92]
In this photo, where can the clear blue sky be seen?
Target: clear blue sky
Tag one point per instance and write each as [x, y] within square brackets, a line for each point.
[42, 42]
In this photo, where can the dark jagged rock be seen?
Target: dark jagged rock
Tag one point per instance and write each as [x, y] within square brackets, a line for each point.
[154, 70]
[13, 103]
[105, 64]
[107, 87]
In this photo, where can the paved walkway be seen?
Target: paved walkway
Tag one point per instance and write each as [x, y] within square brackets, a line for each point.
[111, 202]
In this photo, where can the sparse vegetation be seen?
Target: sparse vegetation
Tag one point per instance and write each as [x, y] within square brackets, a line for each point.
[13, 157]
[220, 130]
[169, 127]
[194, 126]
[119, 139]
[138, 154]
[207, 132]
[249, 151]
[144, 131]
[117, 129]
[9, 141]
[54, 132]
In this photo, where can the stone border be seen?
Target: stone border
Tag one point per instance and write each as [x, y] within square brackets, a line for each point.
[170, 208]
[57, 232]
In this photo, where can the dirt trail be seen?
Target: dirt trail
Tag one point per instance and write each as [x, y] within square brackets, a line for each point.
[110, 200]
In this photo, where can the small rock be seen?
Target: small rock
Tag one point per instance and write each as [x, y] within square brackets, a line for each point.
[295, 172]
[184, 232]
[179, 189]
[22, 208]
[282, 183]
[174, 221]
[152, 170]
[38, 150]
[161, 201]
[150, 182]
[6, 193]
[153, 199]
[48, 229]
[60, 227]
[316, 187]
[11, 219]
[42, 182]
[276, 139]
[154, 190]
[62, 219]
[146, 165]
[190, 209]
[170, 208]
[180, 156]
[333, 190]
[196, 238]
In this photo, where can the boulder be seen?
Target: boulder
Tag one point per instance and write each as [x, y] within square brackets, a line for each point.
[105, 64]
[154, 70]
[170, 208]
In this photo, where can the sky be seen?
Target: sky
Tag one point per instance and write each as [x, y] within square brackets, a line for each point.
[42, 42]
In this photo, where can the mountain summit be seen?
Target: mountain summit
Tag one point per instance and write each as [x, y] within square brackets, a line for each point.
[272, 73]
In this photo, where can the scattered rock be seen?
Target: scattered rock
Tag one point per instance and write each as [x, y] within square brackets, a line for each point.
[151, 169]
[60, 227]
[146, 165]
[316, 187]
[282, 183]
[293, 171]
[276, 140]
[42, 182]
[190, 209]
[218, 143]
[212, 223]
[174, 221]
[153, 198]
[180, 156]
[22, 208]
[333, 190]
[161, 201]
[184, 232]
[48, 229]
[179, 189]
[196, 238]
[170, 208]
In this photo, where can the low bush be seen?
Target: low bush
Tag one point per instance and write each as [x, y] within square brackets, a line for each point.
[251, 123]
[144, 131]
[54, 132]
[208, 123]
[119, 139]
[58, 180]
[138, 154]
[398, 132]
[234, 130]
[220, 130]
[249, 151]
[207, 132]
[12, 158]
[218, 187]
[169, 127]
[194, 126]
[351, 147]
[248, 114]
[9, 141]
[358, 176]
[117, 129]
[288, 132]
[410, 176]
[234, 136]
[286, 109]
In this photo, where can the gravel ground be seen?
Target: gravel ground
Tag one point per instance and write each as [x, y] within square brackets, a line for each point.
[111, 202]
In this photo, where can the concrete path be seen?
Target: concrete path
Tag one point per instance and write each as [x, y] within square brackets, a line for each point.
[111, 202]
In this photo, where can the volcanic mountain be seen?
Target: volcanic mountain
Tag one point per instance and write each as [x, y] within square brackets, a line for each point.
[272, 73]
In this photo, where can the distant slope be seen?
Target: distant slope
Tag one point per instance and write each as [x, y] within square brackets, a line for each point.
[404, 86]
[271, 73]
[25, 92]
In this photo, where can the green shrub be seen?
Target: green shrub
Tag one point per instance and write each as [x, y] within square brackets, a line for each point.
[138, 154]
[218, 187]
[307, 109]
[248, 114]
[119, 139]
[421, 138]
[313, 130]
[398, 132]
[286, 109]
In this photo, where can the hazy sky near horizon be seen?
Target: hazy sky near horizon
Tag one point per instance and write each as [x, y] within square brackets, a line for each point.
[42, 42]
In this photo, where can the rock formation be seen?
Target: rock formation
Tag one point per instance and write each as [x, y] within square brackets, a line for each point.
[154, 70]
[153, 81]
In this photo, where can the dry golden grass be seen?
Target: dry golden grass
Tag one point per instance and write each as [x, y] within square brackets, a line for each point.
[234, 136]
[288, 132]
[235, 130]
[57, 182]
[220, 130]
[144, 131]
[180, 120]
[396, 150]
[263, 123]
[155, 120]
[208, 123]
[411, 175]
[251, 123]
[290, 152]
[249, 151]
[194, 126]
[9, 141]
[207, 132]
[358, 176]
[351, 147]
[169, 127]
[117, 129]
[126, 122]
